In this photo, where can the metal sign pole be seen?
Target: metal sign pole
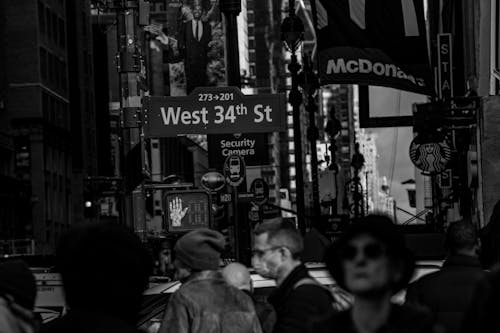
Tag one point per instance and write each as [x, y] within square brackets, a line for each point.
[236, 224]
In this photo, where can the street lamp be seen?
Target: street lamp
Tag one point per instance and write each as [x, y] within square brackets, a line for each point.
[292, 34]
[311, 86]
[332, 129]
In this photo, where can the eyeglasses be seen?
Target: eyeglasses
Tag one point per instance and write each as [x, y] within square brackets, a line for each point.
[262, 253]
[370, 251]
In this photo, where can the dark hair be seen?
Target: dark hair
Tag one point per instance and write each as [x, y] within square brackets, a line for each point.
[284, 234]
[105, 269]
[461, 235]
[384, 230]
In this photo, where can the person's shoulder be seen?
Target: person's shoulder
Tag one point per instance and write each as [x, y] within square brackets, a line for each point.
[331, 322]
[413, 314]
[311, 289]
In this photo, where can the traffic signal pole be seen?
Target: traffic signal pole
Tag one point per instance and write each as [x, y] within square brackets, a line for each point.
[231, 9]
[128, 62]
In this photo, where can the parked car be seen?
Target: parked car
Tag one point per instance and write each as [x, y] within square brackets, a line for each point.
[156, 298]
[50, 303]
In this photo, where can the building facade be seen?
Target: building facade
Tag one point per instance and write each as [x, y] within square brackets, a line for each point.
[42, 116]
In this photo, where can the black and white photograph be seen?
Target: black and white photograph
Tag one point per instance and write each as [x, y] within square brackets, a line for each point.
[249, 166]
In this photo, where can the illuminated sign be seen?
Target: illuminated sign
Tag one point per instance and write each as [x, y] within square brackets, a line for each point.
[187, 210]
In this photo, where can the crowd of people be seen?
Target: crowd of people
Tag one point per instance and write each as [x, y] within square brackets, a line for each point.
[105, 269]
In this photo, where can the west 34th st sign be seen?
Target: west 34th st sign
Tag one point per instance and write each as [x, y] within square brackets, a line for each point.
[214, 110]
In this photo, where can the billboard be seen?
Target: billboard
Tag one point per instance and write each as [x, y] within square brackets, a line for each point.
[188, 38]
[373, 42]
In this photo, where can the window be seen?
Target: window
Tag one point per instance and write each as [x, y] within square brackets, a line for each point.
[48, 22]
[64, 81]
[43, 63]
[51, 67]
[55, 28]
[41, 17]
[62, 33]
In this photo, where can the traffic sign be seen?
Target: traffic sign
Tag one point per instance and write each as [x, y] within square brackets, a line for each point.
[214, 110]
[234, 170]
[187, 210]
[260, 189]
[254, 214]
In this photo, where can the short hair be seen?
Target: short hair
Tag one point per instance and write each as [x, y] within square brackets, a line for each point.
[461, 235]
[282, 234]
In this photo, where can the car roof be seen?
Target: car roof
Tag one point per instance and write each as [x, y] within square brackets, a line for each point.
[316, 270]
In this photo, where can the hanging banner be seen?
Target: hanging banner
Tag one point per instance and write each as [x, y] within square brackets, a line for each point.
[373, 42]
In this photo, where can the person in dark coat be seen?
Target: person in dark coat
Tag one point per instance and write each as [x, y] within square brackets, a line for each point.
[298, 298]
[17, 298]
[447, 292]
[205, 303]
[371, 261]
[105, 269]
[482, 312]
[238, 276]
[194, 39]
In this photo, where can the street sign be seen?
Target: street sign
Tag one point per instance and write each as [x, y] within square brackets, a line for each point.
[187, 210]
[234, 170]
[445, 66]
[213, 181]
[245, 197]
[254, 214]
[445, 179]
[260, 190]
[214, 110]
[253, 147]
[225, 198]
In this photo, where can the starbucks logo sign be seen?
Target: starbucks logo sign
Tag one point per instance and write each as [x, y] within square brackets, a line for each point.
[430, 157]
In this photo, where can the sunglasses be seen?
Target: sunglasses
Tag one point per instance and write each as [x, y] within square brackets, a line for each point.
[371, 251]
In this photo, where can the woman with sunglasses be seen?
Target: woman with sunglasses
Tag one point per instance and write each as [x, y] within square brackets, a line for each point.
[372, 262]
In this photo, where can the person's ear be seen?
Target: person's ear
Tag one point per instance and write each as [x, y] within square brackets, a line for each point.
[285, 253]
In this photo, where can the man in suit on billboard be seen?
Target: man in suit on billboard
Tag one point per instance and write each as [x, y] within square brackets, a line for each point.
[194, 39]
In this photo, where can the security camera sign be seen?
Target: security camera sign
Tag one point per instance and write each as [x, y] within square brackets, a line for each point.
[234, 170]
[214, 110]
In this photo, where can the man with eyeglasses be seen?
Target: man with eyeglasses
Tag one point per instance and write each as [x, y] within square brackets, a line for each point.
[298, 297]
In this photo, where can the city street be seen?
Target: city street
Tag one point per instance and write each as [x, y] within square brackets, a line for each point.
[287, 164]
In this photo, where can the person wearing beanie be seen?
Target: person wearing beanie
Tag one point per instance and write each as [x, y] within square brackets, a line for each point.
[372, 262]
[205, 302]
[17, 298]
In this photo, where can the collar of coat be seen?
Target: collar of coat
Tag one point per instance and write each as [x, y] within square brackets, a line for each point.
[461, 260]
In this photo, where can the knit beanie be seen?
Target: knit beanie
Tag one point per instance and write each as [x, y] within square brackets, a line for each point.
[200, 249]
[17, 280]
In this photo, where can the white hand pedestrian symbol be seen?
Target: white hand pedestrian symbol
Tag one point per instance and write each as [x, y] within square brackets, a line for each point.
[176, 211]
